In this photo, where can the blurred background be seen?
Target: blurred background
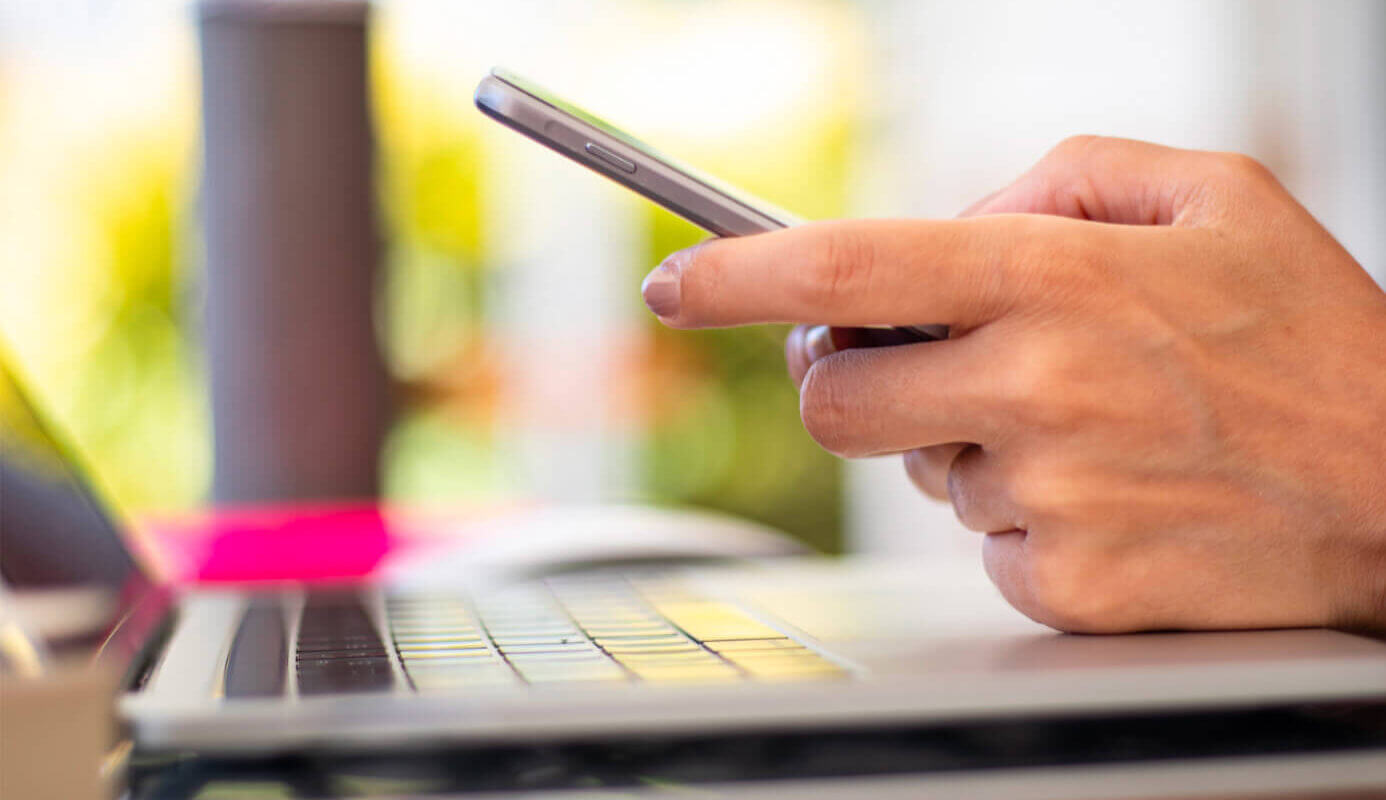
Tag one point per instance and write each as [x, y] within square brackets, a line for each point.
[521, 363]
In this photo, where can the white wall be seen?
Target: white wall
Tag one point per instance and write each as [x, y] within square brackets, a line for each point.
[1321, 123]
[565, 316]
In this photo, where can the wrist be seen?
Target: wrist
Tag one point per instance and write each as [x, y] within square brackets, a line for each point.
[1362, 592]
[1364, 609]
[1361, 544]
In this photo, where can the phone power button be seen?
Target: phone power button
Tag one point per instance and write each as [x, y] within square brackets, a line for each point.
[602, 154]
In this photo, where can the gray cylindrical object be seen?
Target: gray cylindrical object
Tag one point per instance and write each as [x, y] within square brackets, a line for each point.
[298, 385]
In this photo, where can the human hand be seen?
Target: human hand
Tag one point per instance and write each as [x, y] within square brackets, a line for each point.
[1163, 399]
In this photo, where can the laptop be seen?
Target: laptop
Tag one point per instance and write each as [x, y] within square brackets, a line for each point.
[844, 651]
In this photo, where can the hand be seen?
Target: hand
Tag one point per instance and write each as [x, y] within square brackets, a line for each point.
[1163, 399]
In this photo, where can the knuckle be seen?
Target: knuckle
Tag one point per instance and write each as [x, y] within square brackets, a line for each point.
[1071, 589]
[973, 485]
[927, 471]
[1033, 491]
[1037, 389]
[1065, 172]
[825, 406]
[842, 268]
[1243, 168]
[1040, 491]
[1075, 147]
[795, 354]
[1063, 272]
[700, 271]
[1072, 266]
[962, 495]
[1029, 377]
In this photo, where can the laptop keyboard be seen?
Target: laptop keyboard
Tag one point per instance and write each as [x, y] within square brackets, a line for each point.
[338, 647]
[575, 630]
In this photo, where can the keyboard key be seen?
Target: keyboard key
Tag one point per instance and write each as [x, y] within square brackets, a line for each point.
[550, 673]
[521, 639]
[653, 655]
[550, 647]
[711, 620]
[786, 663]
[436, 666]
[793, 671]
[437, 636]
[752, 645]
[630, 629]
[686, 674]
[631, 632]
[328, 644]
[483, 652]
[338, 649]
[556, 655]
[774, 656]
[259, 653]
[455, 682]
[463, 641]
[424, 612]
[322, 676]
[670, 647]
[427, 632]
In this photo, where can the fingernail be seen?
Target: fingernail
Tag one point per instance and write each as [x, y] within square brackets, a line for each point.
[818, 342]
[661, 290]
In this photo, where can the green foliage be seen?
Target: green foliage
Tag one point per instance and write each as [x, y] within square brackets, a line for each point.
[139, 406]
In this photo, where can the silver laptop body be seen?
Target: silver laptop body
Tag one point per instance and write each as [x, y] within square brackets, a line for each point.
[776, 647]
[772, 645]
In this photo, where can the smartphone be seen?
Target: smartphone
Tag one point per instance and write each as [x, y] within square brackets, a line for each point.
[603, 148]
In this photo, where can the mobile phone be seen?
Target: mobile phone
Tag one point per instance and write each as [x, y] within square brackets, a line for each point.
[607, 150]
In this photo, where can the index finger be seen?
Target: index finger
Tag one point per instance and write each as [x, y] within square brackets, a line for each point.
[871, 272]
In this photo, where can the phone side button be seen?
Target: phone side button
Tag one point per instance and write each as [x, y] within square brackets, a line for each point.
[603, 154]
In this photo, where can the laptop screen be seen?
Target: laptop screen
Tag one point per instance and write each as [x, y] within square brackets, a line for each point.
[53, 529]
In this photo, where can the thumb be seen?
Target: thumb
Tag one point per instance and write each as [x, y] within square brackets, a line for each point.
[1105, 180]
